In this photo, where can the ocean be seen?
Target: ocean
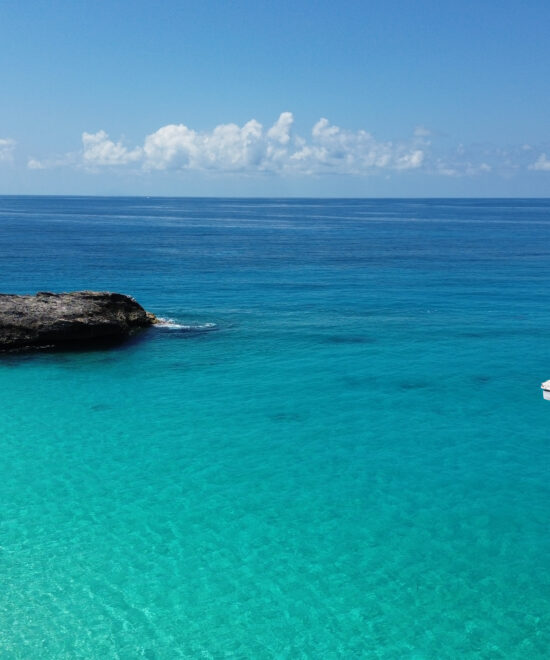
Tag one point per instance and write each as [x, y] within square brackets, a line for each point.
[336, 447]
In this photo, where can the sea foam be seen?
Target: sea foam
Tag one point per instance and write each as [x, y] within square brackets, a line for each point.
[170, 324]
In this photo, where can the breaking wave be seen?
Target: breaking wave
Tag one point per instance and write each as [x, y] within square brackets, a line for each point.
[170, 324]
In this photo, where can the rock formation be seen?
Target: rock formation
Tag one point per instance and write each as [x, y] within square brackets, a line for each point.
[81, 318]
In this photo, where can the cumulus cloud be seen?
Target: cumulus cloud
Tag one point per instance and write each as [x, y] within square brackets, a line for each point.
[333, 149]
[228, 148]
[99, 150]
[7, 146]
[253, 149]
[35, 164]
[250, 149]
[280, 131]
[542, 164]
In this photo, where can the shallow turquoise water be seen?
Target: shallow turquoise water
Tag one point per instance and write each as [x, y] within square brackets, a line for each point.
[353, 464]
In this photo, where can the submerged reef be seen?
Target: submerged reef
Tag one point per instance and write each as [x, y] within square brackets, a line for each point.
[59, 320]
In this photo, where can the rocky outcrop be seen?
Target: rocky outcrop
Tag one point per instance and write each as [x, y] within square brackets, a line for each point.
[68, 319]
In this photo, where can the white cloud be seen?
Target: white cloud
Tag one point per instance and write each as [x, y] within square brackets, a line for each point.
[35, 164]
[542, 164]
[7, 146]
[70, 159]
[280, 131]
[228, 148]
[410, 160]
[252, 149]
[336, 150]
[99, 150]
[472, 169]
[478, 159]
[422, 131]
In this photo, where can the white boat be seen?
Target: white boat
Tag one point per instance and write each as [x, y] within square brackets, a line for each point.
[546, 389]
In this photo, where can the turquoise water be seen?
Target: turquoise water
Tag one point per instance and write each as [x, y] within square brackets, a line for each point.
[353, 463]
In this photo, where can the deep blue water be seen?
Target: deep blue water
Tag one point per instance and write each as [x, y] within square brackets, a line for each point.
[352, 463]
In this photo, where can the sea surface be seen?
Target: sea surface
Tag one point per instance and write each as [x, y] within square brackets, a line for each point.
[336, 446]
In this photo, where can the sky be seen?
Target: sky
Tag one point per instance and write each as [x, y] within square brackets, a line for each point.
[416, 98]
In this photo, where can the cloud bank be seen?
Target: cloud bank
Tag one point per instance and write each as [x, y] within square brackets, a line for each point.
[248, 149]
[252, 149]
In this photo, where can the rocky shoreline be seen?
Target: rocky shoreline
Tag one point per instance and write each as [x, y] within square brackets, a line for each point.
[64, 320]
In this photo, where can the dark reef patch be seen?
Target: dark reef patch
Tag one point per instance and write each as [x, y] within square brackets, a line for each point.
[348, 339]
[481, 379]
[286, 417]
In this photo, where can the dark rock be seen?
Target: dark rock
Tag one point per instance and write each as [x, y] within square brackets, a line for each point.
[64, 319]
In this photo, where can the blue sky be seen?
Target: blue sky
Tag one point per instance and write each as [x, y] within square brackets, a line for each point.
[417, 98]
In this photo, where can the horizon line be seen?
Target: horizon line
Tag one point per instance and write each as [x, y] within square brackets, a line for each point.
[257, 197]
